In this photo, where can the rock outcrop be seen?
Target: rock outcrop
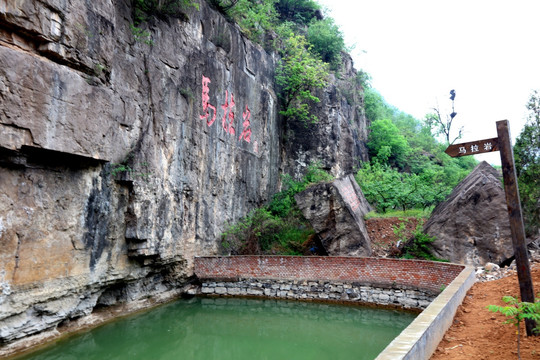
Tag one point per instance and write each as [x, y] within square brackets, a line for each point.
[123, 153]
[336, 211]
[472, 226]
[337, 141]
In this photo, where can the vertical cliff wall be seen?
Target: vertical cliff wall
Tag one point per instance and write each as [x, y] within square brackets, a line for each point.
[122, 155]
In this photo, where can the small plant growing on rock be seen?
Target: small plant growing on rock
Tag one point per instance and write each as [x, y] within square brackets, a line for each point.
[141, 35]
[517, 311]
[124, 168]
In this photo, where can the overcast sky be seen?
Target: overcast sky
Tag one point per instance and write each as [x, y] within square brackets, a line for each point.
[418, 50]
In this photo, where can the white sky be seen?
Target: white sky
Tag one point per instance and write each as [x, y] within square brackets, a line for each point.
[418, 50]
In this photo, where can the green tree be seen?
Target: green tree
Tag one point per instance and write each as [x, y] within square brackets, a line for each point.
[298, 11]
[386, 144]
[527, 159]
[299, 74]
[516, 312]
[327, 41]
[254, 17]
[375, 106]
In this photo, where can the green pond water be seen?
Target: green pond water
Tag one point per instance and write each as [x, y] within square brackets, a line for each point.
[206, 328]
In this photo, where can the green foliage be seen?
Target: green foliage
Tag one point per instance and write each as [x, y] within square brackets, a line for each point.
[327, 41]
[144, 10]
[376, 107]
[141, 35]
[298, 75]
[304, 66]
[278, 228]
[254, 17]
[386, 188]
[297, 11]
[263, 233]
[419, 246]
[124, 167]
[283, 202]
[386, 144]
[527, 159]
[363, 79]
[516, 312]
[408, 168]
[417, 213]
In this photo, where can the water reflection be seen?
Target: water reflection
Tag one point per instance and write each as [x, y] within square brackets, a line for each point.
[239, 329]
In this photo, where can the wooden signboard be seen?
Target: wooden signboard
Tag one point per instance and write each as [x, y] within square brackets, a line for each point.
[503, 145]
[473, 147]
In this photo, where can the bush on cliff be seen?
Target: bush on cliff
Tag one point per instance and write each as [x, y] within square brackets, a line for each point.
[144, 10]
[298, 76]
[308, 44]
[279, 228]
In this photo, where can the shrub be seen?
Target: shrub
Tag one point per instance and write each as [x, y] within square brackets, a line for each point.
[327, 41]
[162, 9]
[254, 17]
[298, 11]
[283, 202]
[518, 311]
[419, 245]
[298, 75]
[279, 228]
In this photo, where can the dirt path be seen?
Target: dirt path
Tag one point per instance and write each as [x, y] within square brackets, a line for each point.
[476, 333]
[479, 334]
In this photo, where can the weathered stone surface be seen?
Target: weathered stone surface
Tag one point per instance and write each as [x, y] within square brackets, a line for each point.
[337, 141]
[80, 95]
[324, 290]
[336, 211]
[472, 226]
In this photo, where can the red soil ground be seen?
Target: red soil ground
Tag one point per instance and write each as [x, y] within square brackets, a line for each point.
[476, 333]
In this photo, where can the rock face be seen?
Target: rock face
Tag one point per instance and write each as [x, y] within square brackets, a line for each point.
[337, 141]
[336, 211]
[123, 155]
[472, 226]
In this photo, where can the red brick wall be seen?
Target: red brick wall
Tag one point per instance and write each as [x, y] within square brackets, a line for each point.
[413, 273]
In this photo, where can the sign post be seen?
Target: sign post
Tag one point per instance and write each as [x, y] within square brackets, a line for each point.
[503, 145]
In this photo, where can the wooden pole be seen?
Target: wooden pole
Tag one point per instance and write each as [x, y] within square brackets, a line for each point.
[516, 219]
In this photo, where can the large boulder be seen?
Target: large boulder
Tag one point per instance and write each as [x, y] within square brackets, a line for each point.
[472, 226]
[336, 211]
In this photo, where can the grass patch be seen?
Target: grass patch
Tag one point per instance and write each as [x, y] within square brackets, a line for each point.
[416, 213]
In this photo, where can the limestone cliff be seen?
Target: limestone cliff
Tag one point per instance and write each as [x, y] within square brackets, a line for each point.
[123, 155]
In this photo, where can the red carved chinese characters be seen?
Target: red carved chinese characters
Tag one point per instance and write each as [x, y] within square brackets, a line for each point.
[205, 104]
[227, 120]
[246, 130]
[228, 107]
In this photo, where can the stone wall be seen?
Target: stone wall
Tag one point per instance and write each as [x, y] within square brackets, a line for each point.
[322, 290]
[375, 272]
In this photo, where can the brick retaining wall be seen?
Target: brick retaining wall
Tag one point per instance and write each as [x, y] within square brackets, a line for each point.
[389, 273]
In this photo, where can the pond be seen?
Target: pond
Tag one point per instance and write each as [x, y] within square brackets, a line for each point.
[234, 328]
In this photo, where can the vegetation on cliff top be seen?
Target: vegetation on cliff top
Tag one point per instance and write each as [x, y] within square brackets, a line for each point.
[309, 46]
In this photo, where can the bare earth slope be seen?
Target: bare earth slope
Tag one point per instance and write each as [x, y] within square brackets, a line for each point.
[479, 334]
[476, 333]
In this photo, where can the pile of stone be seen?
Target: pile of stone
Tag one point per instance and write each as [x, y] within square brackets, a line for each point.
[491, 271]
